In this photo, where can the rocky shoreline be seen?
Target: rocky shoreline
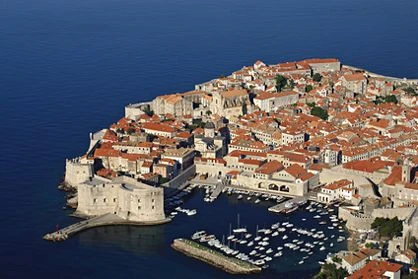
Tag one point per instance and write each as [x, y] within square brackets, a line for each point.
[214, 258]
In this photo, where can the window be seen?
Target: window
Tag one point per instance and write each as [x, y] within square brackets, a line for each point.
[114, 199]
[153, 207]
[94, 200]
[104, 200]
[152, 200]
[139, 207]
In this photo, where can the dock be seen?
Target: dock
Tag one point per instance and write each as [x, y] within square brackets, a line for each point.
[218, 190]
[278, 208]
[229, 264]
[108, 219]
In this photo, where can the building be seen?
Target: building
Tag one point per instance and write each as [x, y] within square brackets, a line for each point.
[123, 196]
[378, 269]
[338, 190]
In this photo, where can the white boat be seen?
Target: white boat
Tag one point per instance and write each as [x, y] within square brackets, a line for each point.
[198, 235]
[240, 230]
[279, 248]
[276, 233]
[257, 201]
[278, 254]
[240, 197]
[248, 235]
[285, 237]
[250, 244]
[191, 212]
[253, 252]
[301, 262]
[322, 248]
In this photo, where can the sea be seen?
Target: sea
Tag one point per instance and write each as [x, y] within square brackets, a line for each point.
[68, 68]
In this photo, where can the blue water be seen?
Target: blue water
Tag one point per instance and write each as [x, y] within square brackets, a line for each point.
[68, 67]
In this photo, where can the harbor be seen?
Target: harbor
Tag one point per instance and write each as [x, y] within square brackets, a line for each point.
[261, 236]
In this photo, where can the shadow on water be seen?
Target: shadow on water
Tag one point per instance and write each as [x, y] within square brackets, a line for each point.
[142, 241]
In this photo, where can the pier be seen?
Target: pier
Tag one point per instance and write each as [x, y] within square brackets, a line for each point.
[217, 191]
[212, 257]
[108, 219]
[278, 208]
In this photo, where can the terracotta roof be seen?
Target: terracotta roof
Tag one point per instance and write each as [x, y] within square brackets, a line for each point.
[159, 127]
[270, 167]
[375, 269]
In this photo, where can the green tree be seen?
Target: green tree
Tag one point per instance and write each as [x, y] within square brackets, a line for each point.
[317, 77]
[320, 112]
[281, 82]
[388, 227]
[330, 271]
[308, 88]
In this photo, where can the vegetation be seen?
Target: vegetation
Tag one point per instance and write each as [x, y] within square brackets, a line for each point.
[336, 259]
[411, 91]
[388, 227]
[312, 105]
[386, 99]
[281, 82]
[197, 123]
[371, 245]
[330, 271]
[412, 275]
[308, 88]
[320, 112]
[317, 77]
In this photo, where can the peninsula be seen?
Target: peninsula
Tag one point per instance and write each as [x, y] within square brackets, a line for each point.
[315, 128]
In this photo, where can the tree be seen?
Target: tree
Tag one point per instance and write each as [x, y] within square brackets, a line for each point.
[330, 271]
[388, 227]
[281, 82]
[317, 77]
[410, 91]
[208, 112]
[308, 88]
[320, 112]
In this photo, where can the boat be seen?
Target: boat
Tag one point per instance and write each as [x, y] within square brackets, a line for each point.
[322, 248]
[191, 212]
[198, 235]
[240, 197]
[285, 237]
[269, 251]
[257, 201]
[301, 262]
[289, 207]
[250, 244]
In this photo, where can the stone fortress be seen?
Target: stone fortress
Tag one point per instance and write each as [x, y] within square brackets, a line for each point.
[122, 196]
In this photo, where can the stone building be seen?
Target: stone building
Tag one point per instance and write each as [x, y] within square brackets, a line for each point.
[231, 103]
[124, 196]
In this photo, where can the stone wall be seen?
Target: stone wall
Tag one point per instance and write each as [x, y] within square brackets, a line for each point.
[182, 178]
[228, 264]
[77, 172]
[355, 221]
[402, 213]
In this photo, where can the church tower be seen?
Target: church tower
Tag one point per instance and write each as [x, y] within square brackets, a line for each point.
[406, 171]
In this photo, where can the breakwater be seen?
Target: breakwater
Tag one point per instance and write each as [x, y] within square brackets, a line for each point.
[202, 253]
[99, 221]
